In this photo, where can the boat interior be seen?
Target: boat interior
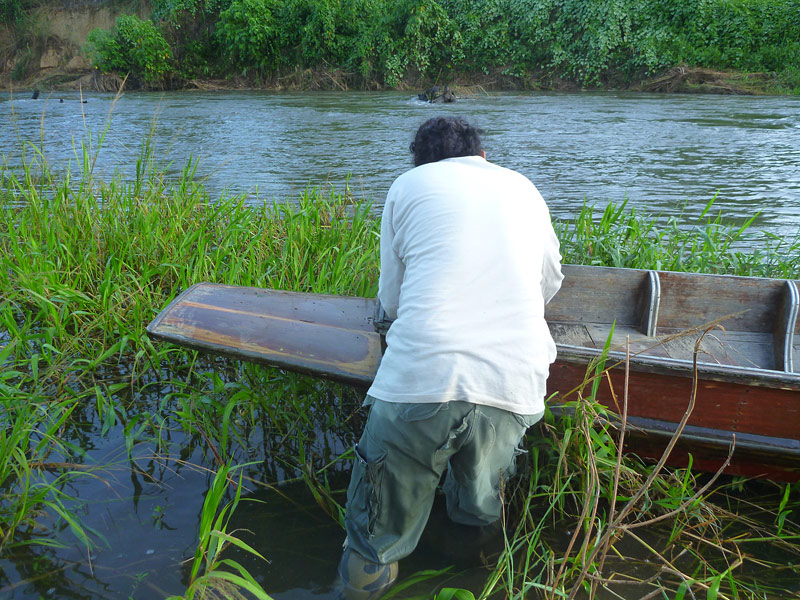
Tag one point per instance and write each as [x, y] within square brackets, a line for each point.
[744, 322]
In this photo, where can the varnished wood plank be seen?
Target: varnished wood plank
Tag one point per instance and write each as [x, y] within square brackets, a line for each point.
[646, 346]
[331, 336]
[688, 300]
[600, 334]
[599, 295]
[733, 348]
[571, 333]
[338, 311]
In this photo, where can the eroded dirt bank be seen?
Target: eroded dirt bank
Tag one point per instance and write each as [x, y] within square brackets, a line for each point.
[48, 51]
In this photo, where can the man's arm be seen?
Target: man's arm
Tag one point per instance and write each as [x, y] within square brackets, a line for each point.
[551, 264]
[392, 268]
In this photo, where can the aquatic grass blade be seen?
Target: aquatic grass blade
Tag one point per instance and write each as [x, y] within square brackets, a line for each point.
[230, 539]
[454, 594]
[414, 579]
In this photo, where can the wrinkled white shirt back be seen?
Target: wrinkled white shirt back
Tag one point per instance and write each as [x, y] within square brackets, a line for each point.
[468, 260]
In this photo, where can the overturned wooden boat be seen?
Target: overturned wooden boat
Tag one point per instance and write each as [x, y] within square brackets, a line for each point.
[745, 328]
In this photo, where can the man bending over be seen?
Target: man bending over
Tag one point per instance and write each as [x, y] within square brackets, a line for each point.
[468, 261]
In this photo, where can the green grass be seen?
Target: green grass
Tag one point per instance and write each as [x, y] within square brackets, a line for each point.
[622, 237]
[86, 264]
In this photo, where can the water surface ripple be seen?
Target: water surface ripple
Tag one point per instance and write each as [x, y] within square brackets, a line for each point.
[668, 154]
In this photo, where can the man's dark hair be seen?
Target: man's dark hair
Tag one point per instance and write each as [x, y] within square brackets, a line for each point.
[445, 137]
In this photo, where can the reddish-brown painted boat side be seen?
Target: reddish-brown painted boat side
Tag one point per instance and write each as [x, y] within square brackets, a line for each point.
[710, 458]
[722, 405]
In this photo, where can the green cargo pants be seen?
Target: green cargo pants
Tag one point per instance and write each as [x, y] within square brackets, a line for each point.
[399, 462]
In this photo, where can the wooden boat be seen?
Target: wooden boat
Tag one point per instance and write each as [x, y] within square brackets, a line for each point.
[747, 376]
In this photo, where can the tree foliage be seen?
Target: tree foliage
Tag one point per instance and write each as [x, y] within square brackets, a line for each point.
[590, 42]
[134, 47]
[11, 11]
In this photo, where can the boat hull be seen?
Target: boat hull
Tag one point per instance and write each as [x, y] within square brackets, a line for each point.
[337, 338]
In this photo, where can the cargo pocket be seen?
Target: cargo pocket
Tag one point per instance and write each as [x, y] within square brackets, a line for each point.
[365, 491]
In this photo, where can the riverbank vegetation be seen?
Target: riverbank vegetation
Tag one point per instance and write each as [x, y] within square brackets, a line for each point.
[656, 45]
[531, 43]
[516, 43]
[86, 264]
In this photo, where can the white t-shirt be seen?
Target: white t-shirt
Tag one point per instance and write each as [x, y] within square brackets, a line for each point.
[468, 260]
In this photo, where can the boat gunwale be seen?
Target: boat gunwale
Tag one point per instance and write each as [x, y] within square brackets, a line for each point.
[684, 368]
[565, 352]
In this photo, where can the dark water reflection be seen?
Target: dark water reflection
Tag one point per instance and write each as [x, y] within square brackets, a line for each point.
[661, 152]
[304, 545]
[142, 510]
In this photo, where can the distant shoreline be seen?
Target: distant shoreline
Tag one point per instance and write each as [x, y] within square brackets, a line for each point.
[680, 79]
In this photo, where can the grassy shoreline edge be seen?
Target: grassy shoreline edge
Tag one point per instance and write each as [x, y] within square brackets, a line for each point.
[85, 265]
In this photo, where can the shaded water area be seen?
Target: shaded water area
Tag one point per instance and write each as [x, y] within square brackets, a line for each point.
[666, 154]
[141, 509]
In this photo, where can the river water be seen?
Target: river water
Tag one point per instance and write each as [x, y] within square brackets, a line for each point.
[665, 154]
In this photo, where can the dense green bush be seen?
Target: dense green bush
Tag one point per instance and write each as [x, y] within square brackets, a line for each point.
[422, 39]
[135, 47]
[325, 30]
[750, 35]
[590, 42]
[11, 11]
[250, 32]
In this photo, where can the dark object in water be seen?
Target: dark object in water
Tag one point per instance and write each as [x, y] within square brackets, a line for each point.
[429, 94]
[434, 96]
[748, 375]
[446, 96]
[35, 95]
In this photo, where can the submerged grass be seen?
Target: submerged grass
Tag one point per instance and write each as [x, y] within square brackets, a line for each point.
[85, 265]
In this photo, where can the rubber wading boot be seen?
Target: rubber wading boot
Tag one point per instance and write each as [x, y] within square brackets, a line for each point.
[361, 579]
